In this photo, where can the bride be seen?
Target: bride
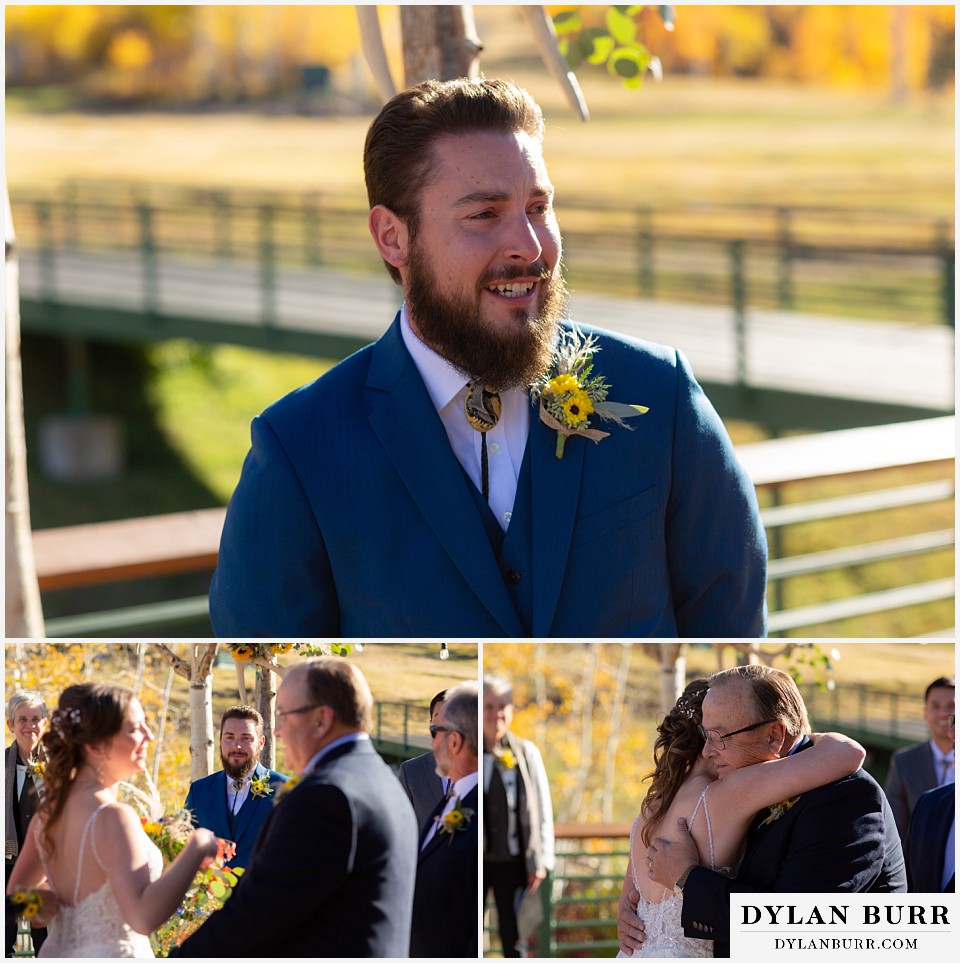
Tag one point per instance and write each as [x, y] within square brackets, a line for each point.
[681, 783]
[103, 870]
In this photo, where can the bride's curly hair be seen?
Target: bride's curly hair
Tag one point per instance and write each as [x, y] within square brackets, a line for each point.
[675, 753]
[86, 715]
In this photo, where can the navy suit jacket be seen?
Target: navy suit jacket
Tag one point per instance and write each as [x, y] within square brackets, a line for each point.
[926, 842]
[838, 838]
[446, 897]
[353, 517]
[207, 801]
[332, 871]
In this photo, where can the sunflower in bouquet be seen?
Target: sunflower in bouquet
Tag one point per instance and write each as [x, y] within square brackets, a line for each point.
[210, 889]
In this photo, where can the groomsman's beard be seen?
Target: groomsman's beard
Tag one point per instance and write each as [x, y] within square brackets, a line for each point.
[238, 770]
[455, 328]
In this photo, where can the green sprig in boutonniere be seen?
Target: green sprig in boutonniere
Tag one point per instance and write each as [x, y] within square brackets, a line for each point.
[778, 809]
[260, 786]
[570, 395]
[455, 821]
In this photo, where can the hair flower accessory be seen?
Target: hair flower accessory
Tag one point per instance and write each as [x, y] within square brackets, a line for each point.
[778, 809]
[260, 786]
[571, 395]
[64, 721]
[455, 821]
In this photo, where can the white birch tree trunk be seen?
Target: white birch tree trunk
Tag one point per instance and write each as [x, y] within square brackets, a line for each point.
[616, 722]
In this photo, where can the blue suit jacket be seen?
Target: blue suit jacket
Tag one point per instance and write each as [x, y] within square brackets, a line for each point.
[207, 800]
[353, 517]
[332, 874]
[926, 842]
[838, 838]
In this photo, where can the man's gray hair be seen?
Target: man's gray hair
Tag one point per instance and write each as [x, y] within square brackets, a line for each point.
[460, 713]
[25, 697]
[498, 686]
[775, 695]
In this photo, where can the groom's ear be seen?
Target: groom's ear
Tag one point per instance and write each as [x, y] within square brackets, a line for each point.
[390, 234]
[778, 736]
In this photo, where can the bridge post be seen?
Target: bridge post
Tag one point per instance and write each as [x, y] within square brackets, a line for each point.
[48, 274]
[738, 299]
[148, 251]
[948, 287]
[785, 275]
[311, 229]
[268, 278]
[645, 251]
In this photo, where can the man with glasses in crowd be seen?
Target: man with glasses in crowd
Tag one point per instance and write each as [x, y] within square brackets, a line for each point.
[840, 837]
[333, 870]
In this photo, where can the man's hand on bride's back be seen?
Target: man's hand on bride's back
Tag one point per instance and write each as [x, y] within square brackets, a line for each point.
[629, 925]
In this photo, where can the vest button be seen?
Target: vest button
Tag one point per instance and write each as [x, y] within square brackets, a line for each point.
[512, 576]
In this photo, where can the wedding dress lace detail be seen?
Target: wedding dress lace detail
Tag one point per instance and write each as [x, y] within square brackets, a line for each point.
[661, 921]
[93, 926]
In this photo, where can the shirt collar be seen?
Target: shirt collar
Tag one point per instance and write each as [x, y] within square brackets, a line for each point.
[939, 755]
[442, 379]
[343, 740]
[466, 784]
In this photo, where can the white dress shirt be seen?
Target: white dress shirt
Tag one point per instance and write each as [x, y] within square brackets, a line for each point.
[506, 441]
[461, 788]
[943, 763]
[237, 797]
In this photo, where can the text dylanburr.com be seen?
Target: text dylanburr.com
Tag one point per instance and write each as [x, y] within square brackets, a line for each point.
[821, 924]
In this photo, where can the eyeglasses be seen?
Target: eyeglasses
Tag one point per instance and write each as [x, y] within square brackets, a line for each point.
[297, 712]
[716, 738]
[435, 729]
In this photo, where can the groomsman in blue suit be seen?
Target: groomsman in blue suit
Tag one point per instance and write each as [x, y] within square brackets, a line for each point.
[235, 802]
[426, 487]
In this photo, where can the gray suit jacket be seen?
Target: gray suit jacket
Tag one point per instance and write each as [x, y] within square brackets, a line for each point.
[912, 773]
[420, 781]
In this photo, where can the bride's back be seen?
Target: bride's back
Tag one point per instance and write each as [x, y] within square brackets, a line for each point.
[73, 831]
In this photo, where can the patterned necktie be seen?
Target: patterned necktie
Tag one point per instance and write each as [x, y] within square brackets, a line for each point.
[946, 765]
[482, 407]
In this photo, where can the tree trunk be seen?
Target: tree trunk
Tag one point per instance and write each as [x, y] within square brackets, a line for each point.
[24, 615]
[201, 709]
[439, 43]
[616, 721]
[266, 700]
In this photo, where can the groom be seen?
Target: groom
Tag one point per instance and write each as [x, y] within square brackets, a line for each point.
[235, 802]
[414, 490]
[840, 837]
[332, 872]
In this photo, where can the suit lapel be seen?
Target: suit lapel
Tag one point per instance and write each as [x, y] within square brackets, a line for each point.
[441, 839]
[243, 817]
[555, 495]
[431, 474]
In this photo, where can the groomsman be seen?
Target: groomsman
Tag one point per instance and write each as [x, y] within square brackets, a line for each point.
[419, 778]
[517, 812]
[26, 717]
[235, 802]
[447, 865]
[931, 843]
[333, 870]
[924, 765]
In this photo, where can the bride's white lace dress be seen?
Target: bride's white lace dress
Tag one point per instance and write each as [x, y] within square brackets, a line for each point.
[93, 927]
[663, 930]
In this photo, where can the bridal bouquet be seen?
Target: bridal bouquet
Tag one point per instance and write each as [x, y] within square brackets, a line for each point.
[210, 889]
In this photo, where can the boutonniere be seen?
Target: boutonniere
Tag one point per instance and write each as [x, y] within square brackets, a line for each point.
[571, 394]
[778, 809]
[36, 769]
[260, 786]
[504, 758]
[285, 788]
[455, 821]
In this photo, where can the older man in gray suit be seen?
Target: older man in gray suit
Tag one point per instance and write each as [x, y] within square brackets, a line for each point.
[928, 764]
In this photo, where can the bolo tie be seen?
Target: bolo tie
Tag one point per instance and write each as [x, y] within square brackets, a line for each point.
[237, 786]
[482, 408]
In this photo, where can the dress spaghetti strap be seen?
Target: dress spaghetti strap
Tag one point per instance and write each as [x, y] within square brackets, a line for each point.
[83, 843]
[706, 812]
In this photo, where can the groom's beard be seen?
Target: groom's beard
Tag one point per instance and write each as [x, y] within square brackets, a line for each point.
[238, 770]
[453, 325]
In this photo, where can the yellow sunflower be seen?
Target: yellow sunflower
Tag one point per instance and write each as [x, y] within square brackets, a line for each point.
[242, 653]
[577, 407]
[560, 384]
